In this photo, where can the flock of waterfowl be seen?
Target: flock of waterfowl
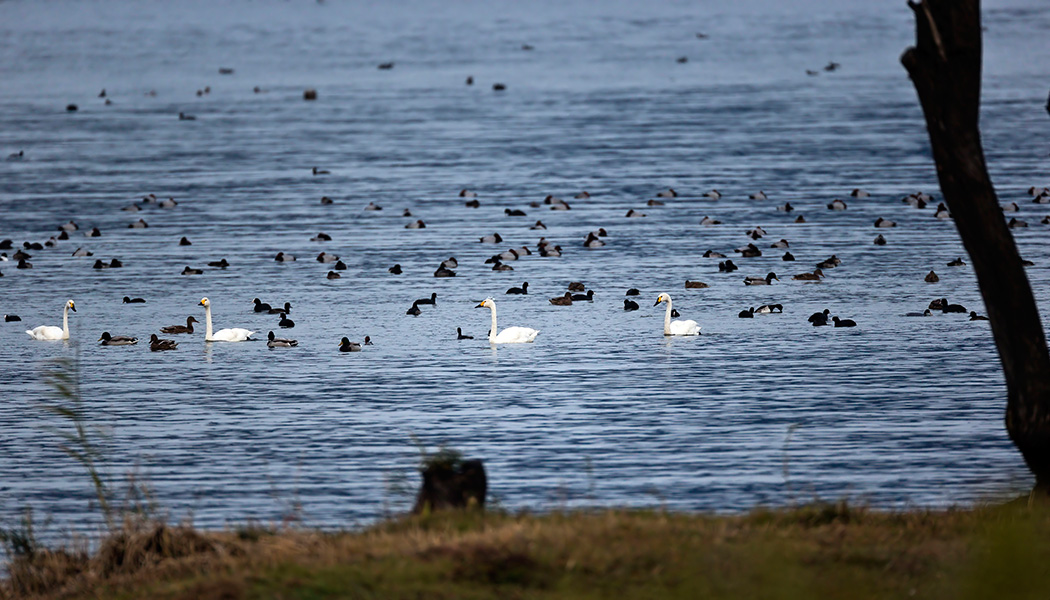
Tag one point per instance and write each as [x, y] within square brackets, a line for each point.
[500, 262]
[509, 335]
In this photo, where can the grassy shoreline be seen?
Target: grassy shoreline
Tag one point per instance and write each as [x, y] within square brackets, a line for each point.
[818, 551]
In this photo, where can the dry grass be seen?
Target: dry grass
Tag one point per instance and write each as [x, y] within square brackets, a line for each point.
[825, 551]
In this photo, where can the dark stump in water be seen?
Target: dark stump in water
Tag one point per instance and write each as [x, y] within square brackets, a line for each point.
[452, 485]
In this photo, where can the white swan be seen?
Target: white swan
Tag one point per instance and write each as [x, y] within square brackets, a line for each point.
[676, 327]
[50, 332]
[235, 334]
[510, 335]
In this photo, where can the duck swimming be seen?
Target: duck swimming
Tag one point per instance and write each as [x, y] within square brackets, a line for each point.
[285, 322]
[523, 290]
[460, 336]
[843, 322]
[120, 340]
[837, 205]
[770, 308]
[565, 300]
[629, 304]
[814, 276]
[747, 314]
[188, 328]
[767, 280]
[749, 251]
[189, 271]
[272, 341]
[287, 309]
[157, 344]
[219, 264]
[345, 345]
[128, 300]
[820, 318]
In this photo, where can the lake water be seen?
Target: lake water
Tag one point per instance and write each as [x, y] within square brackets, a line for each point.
[601, 409]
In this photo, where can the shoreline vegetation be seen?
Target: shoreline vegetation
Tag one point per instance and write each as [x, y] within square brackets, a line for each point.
[812, 551]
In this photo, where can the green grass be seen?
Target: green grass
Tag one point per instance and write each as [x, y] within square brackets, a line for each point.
[824, 551]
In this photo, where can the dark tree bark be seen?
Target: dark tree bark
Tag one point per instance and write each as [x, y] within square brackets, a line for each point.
[460, 484]
[945, 66]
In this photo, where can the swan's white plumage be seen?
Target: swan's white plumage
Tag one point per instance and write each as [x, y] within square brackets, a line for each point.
[50, 332]
[515, 335]
[688, 327]
[47, 332]
[510, 335]
[233, 334]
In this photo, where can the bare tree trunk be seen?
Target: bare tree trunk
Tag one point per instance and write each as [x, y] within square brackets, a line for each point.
[945, 66]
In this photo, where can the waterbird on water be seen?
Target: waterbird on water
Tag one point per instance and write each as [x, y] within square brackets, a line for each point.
[234, 334]
[272, 341]
[510, 335]
[689, 327]
[48, 332]
[187, 328]
[156, 344]
[119, 340]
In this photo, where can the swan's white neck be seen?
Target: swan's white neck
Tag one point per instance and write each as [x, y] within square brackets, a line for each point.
[492, 332]
[207, 323]
[667, 318]
[65, 322]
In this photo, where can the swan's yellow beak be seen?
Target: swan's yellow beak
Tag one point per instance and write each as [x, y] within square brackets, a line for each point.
[72, 307]
[482, 305]
[203, 302]
[658, 300]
